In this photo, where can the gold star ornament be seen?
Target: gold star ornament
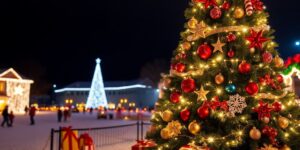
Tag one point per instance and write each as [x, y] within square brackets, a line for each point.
[199, 31]
[202, 94]
[218, 46]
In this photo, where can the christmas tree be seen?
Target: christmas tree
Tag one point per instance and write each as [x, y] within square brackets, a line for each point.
[224, 90]
[97, 95]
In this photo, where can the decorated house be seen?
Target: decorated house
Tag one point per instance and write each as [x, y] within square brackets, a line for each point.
[14, 90]
[292, 73]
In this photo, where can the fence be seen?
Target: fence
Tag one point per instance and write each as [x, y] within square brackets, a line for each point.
[106, 135]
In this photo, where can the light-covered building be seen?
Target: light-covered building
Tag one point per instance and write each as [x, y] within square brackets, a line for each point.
[138, 93]
[14, 90]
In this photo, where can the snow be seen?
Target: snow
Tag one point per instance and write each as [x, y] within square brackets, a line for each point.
[23, 136]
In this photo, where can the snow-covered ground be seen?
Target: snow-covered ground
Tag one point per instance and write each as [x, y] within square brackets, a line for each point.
[23, 136]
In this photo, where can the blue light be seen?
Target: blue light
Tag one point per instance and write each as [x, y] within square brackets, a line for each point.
[297, 43]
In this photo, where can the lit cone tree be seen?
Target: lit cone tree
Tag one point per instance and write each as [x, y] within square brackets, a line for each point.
[224, 90]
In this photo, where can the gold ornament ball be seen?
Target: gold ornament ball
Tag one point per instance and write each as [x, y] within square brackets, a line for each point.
[192, 23]
[194, 127]
[186, 46]
[283, 122]
[238, 13]
[165, 133]
[255, 134]
[265, 120]
[219, 2]
[285, 147]
[252, 50]
[278, 62]
[219, 79]
[167, 115]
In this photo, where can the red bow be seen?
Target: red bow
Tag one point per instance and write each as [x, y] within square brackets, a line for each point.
[263, 110]
[269, 81]
[207, 3]
[271, 133]
[216, 103]
[257, 4]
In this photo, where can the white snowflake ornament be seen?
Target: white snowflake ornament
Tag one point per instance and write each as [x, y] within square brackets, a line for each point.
[236, 104]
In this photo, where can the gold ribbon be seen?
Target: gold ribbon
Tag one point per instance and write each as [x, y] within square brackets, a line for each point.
[270, 96]
[202, 31]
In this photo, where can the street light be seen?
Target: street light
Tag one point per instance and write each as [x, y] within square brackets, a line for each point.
[297, 43]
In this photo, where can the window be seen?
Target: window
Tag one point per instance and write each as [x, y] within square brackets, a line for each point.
[2, 88]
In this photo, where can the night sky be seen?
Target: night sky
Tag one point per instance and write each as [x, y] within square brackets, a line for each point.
[57, 41]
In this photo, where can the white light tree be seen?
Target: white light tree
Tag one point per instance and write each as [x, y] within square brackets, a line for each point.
[97, 95]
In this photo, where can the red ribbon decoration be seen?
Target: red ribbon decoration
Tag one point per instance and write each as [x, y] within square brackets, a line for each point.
[269, 81]
[216, 103]
[143, 144]
[257, 4]
[292, 60]
[69, 134]
[263, 110]
[271, 133]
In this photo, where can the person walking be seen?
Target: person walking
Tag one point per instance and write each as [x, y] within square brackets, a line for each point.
[5, 117]
[26, 109]
[11, 118]
[59, 115]
[32, 114]
[66, 114]
[91, 110]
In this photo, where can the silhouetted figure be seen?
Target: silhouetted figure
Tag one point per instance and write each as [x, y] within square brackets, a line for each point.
[11, 118]
[84, 110]
[5, 117]
[119, 113]
[66, 114]
[32, 114]
[26, 110]
[91, 110]
[59, 115]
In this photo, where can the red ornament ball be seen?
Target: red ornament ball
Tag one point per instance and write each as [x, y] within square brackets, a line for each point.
[180, 67]
[185, 114]
[188, 85]
[267, 57]
[203, 112]
[230, 53]
[252, 88]
[215, 13]
[231, 37]
[279, 78]
[175, 97]
[244, 68]
[204, 51]
[226, 5]
[277, 106]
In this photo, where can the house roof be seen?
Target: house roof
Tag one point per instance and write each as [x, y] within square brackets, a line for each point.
[12, 75]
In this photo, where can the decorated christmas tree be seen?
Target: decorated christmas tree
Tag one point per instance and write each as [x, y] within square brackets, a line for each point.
[224, 90]
[97, 95]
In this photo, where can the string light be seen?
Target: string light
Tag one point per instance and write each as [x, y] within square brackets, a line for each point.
[219, 91]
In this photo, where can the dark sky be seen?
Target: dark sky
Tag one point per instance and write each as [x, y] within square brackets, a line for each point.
[65, 36]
